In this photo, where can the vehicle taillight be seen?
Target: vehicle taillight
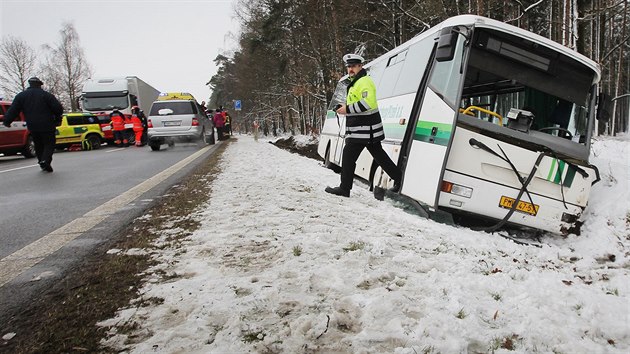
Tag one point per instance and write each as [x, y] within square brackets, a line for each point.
[149, 124]
[456, 189]
[195, 122]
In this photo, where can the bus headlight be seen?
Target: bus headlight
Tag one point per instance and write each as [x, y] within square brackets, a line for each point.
[456, 189]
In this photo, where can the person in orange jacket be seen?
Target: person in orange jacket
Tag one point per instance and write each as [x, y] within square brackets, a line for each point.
[118, 126]
[128, 131]
[138, 125]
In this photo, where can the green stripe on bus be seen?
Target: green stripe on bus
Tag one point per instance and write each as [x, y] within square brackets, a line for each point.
[556, 171]
[441, 137]
[552, 169]
[568, 179]
[558, 178]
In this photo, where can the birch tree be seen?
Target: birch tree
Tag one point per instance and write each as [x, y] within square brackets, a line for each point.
[18, 62]
[66, 67]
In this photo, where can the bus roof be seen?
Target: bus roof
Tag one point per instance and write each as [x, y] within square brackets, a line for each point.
[484, 22]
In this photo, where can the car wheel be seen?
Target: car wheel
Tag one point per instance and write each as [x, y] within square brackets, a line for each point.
[205, 137]
[29, 149]
[154, 146]
[94, 141]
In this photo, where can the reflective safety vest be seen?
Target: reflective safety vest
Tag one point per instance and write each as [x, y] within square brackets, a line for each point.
[118, 122]
[137, 123]
[363, 120]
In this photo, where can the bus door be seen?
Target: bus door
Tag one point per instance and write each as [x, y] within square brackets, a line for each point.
[431, 139]
[338, 146]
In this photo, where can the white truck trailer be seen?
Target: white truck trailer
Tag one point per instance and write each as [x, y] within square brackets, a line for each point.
[103, 95]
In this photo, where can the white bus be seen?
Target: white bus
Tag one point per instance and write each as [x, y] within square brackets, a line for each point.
[485, 120]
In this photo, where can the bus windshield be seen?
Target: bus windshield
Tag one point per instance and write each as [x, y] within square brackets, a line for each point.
[517, 85]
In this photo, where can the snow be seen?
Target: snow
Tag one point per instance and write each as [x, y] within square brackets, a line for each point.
[289, 268]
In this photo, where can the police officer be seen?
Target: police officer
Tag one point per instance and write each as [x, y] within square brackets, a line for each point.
[364, 127]
[43, 113]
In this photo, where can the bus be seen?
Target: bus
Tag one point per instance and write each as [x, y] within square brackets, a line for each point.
[487, 121]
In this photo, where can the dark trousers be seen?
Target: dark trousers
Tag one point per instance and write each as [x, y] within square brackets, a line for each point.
[351, 153]
[44, 146]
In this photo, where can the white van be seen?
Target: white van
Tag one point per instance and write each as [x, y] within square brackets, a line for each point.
[173, 120]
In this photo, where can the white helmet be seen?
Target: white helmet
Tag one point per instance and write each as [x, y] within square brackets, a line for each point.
[350, 59]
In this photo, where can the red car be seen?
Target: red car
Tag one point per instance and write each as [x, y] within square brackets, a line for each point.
[104, 120]
[15, 139]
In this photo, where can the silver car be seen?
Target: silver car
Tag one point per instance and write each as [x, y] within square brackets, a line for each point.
[181, 120]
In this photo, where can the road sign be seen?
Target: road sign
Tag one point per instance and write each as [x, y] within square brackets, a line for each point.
[237, 105]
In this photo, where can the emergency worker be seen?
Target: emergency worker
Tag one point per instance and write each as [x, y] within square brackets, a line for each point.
[228, 124]
[364, 127]
[138, 125]
[219, 123]
[128, 131]
[43, 113]
[118, 126]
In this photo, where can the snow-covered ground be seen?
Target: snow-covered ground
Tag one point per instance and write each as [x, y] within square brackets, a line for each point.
[289, 268]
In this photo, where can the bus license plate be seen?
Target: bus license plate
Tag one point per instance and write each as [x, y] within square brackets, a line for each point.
[524, 207]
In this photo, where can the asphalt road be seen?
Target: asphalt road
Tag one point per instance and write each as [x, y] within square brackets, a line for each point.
[48, 221]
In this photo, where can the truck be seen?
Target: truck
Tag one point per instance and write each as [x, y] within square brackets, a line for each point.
[101, 96]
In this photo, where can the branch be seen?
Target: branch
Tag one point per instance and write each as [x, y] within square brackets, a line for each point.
[524, 11]
[615, 48]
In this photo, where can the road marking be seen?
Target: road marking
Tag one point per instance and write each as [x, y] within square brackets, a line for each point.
[108, 151]
[19, 261]
[18, 168]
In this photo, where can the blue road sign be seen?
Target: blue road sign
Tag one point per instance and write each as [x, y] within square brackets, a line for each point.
[237, 105]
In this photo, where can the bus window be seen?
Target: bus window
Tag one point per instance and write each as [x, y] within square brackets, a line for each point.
[446, 76]
[391, 74]
[414, 67]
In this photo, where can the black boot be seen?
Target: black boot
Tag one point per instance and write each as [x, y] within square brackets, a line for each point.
[396, 187]
[338, 191]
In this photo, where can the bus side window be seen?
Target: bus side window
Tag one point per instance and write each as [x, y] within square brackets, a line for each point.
[414, 68]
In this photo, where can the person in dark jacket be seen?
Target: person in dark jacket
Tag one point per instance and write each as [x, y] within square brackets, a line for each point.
[364, 127]
[43, 113]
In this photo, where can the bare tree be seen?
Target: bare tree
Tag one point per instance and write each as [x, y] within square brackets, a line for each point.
[17, 62]
[66, 67]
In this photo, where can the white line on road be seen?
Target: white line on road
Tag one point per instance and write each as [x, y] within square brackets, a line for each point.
[18, 168]
[14, 264]
[114, 150]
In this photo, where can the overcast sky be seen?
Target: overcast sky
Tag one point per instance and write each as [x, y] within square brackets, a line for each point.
[169, 44]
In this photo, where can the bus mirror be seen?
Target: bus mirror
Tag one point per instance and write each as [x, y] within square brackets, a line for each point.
[604, 107]
[446, 44]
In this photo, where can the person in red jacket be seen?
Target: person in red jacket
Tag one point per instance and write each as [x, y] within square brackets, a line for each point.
[118, 126]
[138, 126]
[219, 123]
[128, 131]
